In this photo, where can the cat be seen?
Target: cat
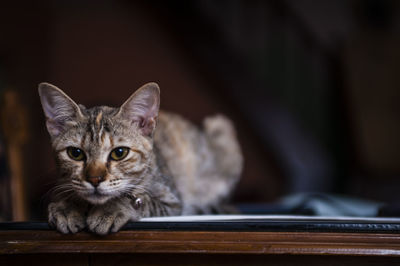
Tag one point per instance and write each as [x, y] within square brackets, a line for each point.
[122, 164]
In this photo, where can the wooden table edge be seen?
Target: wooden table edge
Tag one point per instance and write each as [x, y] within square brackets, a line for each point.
[295, 243]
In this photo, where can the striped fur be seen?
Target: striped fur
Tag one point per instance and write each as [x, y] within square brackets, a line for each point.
[174, 168]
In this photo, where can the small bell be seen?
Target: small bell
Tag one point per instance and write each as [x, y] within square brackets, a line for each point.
[137, 204]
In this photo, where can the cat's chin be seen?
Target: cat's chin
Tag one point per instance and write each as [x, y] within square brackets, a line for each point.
[97, 199]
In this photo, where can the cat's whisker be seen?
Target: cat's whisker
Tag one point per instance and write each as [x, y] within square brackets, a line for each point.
[64, 195]
[68, 196]
[58, 188]
[61, 187]
[141, 189]
[59, 195]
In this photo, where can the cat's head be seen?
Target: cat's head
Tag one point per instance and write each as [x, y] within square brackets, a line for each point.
[102, 152]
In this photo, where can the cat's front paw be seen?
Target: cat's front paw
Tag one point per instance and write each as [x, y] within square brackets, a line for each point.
[106, 218]
[65, 217]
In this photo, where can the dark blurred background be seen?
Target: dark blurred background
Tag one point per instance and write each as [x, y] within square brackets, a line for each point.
[312, 86]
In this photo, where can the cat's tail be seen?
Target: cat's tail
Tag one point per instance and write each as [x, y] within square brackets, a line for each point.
[223, 141]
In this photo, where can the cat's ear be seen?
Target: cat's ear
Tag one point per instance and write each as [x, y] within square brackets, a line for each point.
[142, 108]
[59, 109]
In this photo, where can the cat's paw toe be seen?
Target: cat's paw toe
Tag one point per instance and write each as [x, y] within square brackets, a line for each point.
[102, 223]
[75, 222]
[57, 218]
[60, 223]
[65, 220]
[119, 221]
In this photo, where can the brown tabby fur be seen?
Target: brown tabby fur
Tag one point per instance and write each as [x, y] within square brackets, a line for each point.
[173, 167]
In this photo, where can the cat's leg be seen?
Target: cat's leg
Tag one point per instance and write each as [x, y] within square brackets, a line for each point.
[114, 214]
[67, 216]
[164, 202]
[111, 216]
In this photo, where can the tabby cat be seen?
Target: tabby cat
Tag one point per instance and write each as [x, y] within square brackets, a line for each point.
[121, 164]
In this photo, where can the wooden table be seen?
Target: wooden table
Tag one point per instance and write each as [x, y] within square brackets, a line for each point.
[264, 242]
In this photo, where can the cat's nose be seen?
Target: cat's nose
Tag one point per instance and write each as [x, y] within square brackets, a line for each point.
[95, 173]
[95, 180]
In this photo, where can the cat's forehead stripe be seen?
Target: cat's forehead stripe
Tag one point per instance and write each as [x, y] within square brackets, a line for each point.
[95, 125]
[102, 135]
[111, 140]
[98, 118]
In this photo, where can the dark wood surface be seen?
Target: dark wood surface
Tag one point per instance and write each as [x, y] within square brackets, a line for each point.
[283, 242]
[181, 242]
[36, 244]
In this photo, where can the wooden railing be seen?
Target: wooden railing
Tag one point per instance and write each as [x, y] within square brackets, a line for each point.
[205, 244]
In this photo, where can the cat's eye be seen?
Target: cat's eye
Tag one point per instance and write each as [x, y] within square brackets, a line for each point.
[76, 154]
[119, 153]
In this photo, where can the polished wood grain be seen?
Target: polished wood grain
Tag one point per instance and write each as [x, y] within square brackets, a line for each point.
[183, 242]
